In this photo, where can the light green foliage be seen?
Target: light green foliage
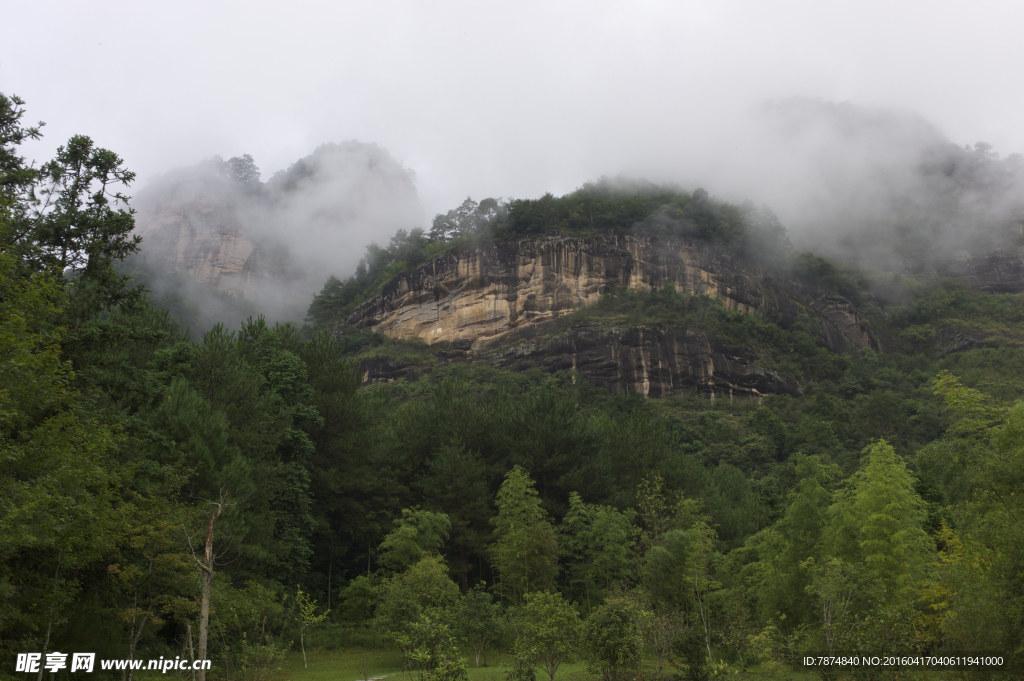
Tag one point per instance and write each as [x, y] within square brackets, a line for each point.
[253, 624]
[432, 653]
[597, 544]
[613, 639]
[307, 617]
[689, 653]
[767, 425]
[547, 627]
[975, 596]
[357, 600]
[835, 586]
[419, 533]
[425, 588]
[525, 548]
[676, 570]
[878, 521]
[152, 575]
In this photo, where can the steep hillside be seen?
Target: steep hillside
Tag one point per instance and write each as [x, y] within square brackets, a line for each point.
[498, 301]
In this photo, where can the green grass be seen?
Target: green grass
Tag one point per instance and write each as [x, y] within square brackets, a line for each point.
[340, 665]
[347, 665]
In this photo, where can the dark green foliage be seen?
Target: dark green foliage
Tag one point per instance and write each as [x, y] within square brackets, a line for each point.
[879, 508]
[691, 653]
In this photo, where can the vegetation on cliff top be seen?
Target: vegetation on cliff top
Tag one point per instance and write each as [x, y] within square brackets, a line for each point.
[592, 210]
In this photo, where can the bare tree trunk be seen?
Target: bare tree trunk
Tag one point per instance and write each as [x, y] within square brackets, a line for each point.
[53, 607]
[207, 577]
[191, 649]
[703, 615]
[302, 642]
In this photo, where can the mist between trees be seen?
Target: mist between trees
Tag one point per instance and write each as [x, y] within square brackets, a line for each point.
[242, 494]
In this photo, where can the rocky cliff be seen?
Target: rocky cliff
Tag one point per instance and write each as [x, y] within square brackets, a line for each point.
[204, 238]
[481, 294]
[217, 225]
[653, 361]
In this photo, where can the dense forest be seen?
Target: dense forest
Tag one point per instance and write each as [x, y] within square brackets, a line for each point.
[240, 494]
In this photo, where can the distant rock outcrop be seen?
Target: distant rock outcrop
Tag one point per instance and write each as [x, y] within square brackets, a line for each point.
[201, 226]
[482, 293]
[253, 240]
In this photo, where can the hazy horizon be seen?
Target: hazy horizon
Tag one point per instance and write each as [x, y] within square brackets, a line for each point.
[482, 101]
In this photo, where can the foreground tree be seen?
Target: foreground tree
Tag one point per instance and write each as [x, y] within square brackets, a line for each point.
[548, 628]
[526, 549]
[480, 620]
[878, 522]
[613, 639]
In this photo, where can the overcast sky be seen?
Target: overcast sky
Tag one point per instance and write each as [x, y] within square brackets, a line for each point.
[500, 99]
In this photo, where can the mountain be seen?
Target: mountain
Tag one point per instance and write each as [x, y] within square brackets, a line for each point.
[219, 245]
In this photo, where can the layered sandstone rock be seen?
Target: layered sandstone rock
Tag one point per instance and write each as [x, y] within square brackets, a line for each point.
[653, 361]
[482, 293]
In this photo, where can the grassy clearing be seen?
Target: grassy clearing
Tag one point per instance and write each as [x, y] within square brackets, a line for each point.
[348, 665]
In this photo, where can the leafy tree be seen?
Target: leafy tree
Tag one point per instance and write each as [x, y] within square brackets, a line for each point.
[974, 595]
[878, 521]
[60, 479]
[243, 170]
[357, 600]
[766, 424]
[549, 627]
[613, 639]
[433, 653]
[151, 573]
[425, 588]
[456, 483]
[307, 618]
[690, 651]
[83, 225]
[419, 533]
[779, 578]
[16, 177]
[597, 542]
[480, 620]
[677, 574]
[525, 550]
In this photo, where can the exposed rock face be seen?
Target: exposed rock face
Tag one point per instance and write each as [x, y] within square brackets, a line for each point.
[653, 361]
[204, 239]
[251, 240]
[482, 293]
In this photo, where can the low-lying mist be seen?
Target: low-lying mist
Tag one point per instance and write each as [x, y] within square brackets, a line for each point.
[879, 188]
[220, 245]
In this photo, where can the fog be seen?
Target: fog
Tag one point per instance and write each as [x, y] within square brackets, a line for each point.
[266, 247]
[827, 112]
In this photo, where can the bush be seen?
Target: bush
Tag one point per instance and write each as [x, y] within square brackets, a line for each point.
[613, 639]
